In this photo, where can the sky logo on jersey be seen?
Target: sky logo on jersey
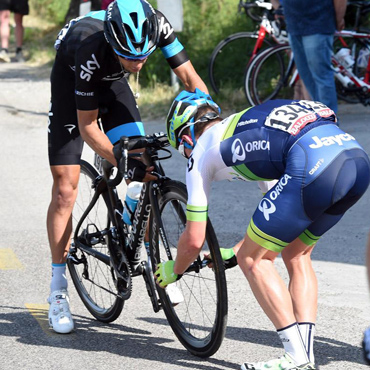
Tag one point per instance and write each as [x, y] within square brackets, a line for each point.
[165, 28]
[91, 66]
[330, 140]
[266, 207]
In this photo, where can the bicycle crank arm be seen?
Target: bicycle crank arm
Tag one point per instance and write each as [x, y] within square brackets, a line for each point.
[150, 285]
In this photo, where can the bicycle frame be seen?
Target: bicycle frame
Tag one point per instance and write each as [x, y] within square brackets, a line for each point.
[265, 27]
[359, 36]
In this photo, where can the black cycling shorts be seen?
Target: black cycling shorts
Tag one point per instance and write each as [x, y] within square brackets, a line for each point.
[118, 113]
[15, 6]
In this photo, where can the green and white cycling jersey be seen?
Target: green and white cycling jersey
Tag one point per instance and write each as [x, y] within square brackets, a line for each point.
[310, 170]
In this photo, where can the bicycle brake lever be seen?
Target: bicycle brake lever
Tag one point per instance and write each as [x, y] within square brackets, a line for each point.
[158, 175]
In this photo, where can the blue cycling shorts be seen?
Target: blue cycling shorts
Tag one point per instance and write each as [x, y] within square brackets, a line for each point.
[327, 172]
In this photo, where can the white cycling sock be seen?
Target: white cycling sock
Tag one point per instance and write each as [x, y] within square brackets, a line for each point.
[307, 330]
[58, 277]
[293, 344]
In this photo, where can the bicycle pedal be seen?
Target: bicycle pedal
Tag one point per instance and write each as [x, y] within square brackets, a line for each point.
[136, 269]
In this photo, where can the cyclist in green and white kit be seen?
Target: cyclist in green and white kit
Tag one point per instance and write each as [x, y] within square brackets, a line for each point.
[311, 173]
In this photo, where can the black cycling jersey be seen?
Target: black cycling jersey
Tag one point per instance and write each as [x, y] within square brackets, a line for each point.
[87, 75]
[85, 50]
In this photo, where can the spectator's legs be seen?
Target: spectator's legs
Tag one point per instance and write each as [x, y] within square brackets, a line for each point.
[302, 64]
[19, 29]
[318, 50]
[4, 28]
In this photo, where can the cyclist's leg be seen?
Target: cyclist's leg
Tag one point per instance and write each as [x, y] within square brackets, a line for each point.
[65, 147]
[120, 116]
[318, 49]
[269, 232]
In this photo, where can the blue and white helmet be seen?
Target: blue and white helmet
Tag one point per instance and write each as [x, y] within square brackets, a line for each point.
[131, 27]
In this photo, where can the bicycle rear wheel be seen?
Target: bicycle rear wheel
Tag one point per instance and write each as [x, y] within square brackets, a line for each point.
[199, 320]
[272, 75]
[93, 277]
[229, 59]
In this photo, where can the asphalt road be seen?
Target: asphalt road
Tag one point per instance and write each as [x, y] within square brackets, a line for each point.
[141, 339]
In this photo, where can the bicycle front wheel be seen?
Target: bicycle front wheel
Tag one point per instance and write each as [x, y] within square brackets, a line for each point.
[229, 60]
[93, 277]
[196, 305]
[272, 75]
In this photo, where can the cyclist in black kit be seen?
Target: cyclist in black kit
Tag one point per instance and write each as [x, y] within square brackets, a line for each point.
[95, 55]
[311, 173]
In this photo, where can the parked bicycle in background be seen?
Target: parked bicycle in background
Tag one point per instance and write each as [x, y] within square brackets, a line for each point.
[273, 75]
[230, 57]
[238, 55]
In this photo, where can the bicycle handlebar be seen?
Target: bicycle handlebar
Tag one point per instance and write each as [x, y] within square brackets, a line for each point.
[255, 4]
[156, 141]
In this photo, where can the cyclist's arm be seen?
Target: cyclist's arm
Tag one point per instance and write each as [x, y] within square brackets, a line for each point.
[176, 56]
[275, 4]
[189, 245]
[189, 77]
[93, 136]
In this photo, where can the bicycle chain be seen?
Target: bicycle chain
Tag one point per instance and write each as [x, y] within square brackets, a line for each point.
[124, 277]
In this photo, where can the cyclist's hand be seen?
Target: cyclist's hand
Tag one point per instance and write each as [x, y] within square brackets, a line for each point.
[165, 275]
[138, 171]
[227, 255]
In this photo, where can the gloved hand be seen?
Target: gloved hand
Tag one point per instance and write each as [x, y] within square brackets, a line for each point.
[136, 169]
[229, 258]
[227, 255]
[165, 275]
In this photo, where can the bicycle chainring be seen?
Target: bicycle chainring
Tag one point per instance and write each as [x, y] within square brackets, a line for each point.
[124, 278]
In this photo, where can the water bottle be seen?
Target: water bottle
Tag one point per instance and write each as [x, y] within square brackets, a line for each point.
[345, 57]
[363, 58]
[132, 197]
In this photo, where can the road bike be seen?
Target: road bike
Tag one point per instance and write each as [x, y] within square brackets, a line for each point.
[105, 253]
[273, 75]
[230, 57]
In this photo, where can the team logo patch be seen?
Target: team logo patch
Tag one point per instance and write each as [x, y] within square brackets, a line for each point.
[266, 207]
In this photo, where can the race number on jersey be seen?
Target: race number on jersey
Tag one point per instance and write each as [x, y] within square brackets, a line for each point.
[293, 117]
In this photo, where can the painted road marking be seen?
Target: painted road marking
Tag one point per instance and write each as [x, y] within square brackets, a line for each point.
[9, 260]
[40, 313]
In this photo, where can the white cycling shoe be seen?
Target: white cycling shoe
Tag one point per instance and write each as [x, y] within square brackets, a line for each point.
[174, 294]
[283, 363]
[60, 317]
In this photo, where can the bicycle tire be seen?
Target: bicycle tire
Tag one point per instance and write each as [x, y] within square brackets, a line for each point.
[95, 282]
[199, 321]
[271, 76]
[229, 59]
